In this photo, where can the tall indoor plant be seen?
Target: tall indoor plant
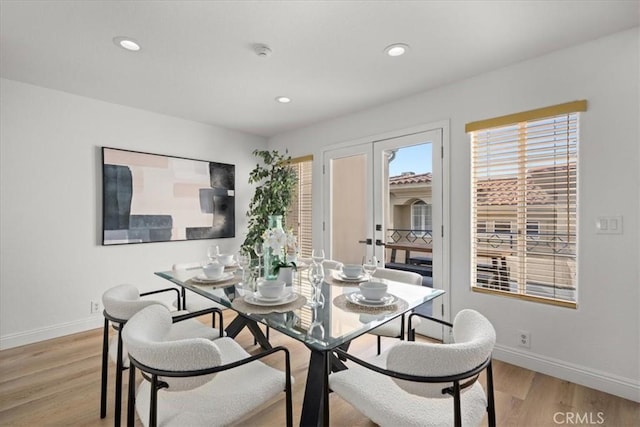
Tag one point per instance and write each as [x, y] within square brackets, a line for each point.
[275, 186]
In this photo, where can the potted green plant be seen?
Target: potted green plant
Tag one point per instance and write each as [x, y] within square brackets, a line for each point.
[275, 186]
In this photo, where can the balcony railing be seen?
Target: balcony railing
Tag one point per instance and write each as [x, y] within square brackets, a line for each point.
[397, 235]
[537, 243]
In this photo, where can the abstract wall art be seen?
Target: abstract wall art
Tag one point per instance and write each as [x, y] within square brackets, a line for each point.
[156, 198]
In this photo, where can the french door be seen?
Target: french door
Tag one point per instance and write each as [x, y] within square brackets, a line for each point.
[373, 206]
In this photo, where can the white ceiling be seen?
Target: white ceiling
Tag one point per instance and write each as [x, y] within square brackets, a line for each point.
[197, 60]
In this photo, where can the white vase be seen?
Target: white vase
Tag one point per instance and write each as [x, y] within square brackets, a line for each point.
[286, 275]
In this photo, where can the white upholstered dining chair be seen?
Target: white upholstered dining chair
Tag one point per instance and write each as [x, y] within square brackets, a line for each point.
[425, 384]
[396, 327]
[196, 382]
[120, 304]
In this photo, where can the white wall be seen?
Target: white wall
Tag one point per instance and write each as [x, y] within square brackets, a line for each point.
[52, 261]
[596, 344]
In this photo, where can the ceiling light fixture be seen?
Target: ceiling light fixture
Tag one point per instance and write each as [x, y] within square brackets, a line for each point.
[127, 43]
[396, 49]
[283, 99]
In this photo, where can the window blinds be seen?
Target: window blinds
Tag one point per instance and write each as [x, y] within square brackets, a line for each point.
[524, 203]
[299, 215]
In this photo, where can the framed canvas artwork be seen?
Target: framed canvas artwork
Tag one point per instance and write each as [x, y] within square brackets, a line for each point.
[156, 198]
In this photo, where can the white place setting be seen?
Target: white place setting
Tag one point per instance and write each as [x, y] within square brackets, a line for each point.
[270, 293]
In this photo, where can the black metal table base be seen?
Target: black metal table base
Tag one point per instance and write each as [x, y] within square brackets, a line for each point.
[240, 322]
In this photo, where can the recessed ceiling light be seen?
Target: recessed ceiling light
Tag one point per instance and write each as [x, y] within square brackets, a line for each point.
[283, 99]
[127, 43]
[396, 49]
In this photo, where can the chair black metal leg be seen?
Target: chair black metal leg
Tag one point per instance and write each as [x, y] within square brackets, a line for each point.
[289, 399]
[457, 410]
[105, 366]
[131, 397]
[379, 344]
[119, 369]
[491, 407]
[153, 405]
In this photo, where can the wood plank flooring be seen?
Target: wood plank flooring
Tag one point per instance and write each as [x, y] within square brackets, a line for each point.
[57, 383]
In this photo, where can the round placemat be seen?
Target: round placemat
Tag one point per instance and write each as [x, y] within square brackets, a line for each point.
[241, 305]
[342, 302]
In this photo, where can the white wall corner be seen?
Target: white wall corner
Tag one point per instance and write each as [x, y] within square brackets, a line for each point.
[603, 381]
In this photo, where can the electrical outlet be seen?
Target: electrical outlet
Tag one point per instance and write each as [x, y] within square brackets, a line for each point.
[95, 307]
[524, 339]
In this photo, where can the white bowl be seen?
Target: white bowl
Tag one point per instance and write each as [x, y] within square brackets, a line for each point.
[213, 270]
[373, 290]
[225, 259]
[271, 288]
[352, 270]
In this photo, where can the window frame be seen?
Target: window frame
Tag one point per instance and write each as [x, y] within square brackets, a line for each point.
[523, 126]
[425, 214]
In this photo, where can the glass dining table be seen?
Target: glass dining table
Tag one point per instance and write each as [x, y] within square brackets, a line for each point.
[339, 319]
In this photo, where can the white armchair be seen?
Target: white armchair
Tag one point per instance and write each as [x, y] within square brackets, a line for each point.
[196, 382]
[425, 384]
[120, 304]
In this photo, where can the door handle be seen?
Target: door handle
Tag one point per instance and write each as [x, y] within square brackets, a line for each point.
[379, 242]
[368, 241]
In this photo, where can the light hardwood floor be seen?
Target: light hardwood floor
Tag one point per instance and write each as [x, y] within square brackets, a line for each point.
[57, 383]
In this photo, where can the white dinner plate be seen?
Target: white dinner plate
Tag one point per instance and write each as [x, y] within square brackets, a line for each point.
[341, 276]
[287, 291]
[359, 299]
[251, 299]
[201, 278]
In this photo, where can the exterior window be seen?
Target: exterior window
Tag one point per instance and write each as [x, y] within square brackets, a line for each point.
[299, 214]
[502, 227]
[421, 218]
[524, 177]
[533, 227]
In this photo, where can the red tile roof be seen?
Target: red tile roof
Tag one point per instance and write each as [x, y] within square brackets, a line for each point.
[410, 178]
[505, 192]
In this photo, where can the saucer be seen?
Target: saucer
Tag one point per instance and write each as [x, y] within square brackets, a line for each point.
[201, 278]
[253, 300]
[359, 299]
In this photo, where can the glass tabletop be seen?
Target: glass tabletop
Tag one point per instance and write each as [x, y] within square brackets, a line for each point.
[341, 318]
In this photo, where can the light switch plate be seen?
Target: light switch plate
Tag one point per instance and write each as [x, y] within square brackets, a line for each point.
[609, 224]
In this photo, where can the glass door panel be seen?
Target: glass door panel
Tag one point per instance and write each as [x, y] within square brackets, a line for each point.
[385, 199]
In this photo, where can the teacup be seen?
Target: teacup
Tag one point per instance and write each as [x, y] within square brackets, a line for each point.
[271, 288]
[225, 259]
[213, 270]
[373, 291]
[352, 270]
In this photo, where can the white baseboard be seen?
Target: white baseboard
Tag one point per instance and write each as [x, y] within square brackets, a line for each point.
[603, 381]
[54, 331]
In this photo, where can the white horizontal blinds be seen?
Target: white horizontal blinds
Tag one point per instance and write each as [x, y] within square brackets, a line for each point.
[298, 217]
[524, 203]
